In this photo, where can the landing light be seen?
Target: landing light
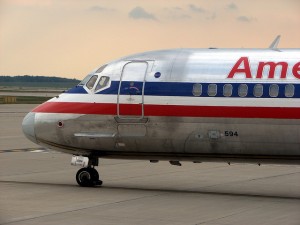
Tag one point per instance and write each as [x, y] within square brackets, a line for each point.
[79, 161]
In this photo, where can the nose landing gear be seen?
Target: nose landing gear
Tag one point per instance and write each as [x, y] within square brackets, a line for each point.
[87, 176]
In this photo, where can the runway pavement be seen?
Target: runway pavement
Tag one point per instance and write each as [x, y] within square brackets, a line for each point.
[38, 187]
[31, 94]
[11, 135]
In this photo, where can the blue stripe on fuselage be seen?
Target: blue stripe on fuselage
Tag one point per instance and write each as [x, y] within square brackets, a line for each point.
[77, 90]
[184, 89]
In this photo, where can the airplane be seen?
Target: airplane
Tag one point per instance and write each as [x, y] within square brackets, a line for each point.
[198, 105]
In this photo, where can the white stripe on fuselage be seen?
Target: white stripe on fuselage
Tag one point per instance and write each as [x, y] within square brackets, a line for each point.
[181, 100]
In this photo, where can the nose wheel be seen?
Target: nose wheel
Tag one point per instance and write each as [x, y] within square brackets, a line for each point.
[88, 177]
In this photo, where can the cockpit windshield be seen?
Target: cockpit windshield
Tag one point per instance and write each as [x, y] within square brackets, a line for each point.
[101, 68]
[103, 82]
[85, 80]
[90, 84]
[88, 77]
[96, 81]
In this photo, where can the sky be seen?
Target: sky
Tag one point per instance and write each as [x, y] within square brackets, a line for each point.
[70, 38]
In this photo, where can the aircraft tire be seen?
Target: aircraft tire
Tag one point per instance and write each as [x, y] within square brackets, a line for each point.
[95, 177]
[88, 177]
[85, 177]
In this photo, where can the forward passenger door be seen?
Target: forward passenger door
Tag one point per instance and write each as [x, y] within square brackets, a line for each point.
[131, 90]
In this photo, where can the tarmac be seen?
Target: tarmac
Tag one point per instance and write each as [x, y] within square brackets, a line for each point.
[38, 187]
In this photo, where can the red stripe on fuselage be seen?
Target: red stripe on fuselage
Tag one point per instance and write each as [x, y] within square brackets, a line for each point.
[77, 108]
[170, 110]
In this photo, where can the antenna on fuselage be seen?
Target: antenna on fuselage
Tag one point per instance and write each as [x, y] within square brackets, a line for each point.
[274, 44]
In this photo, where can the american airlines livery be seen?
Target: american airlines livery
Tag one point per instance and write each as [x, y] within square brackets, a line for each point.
[199, 105]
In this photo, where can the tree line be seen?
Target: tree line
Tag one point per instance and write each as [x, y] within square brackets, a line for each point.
[28, 78]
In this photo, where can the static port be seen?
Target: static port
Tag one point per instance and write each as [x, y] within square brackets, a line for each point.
[60, 124]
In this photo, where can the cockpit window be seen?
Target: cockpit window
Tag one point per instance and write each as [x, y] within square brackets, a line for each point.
[86, 79]
[103, 82]
[90, 84]
[101, 69]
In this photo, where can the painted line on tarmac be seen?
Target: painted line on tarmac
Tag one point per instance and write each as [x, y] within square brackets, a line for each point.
[32, 150]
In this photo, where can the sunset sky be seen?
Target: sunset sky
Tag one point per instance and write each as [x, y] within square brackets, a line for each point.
[69, 38]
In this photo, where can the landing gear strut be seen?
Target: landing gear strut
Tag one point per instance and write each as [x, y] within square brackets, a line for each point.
[87, 176]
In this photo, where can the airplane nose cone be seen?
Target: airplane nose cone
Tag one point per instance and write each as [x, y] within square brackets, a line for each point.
[28, 126]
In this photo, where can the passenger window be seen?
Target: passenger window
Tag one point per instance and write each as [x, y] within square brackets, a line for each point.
[243, 90]
[258, 90]
[103, 82]
[197, 89]
[227, 90]
[274, 90]
[90, 84]
[212, 90]
[289, 90]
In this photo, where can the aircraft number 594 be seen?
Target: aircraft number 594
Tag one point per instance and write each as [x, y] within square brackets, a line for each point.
[230, 133]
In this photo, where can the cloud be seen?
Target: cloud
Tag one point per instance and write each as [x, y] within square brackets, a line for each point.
[175, 8]
[176, 13]
[139, 13]
[213, 16]
[232, 6]
[244, 19]
[100, 9]
[196, 9]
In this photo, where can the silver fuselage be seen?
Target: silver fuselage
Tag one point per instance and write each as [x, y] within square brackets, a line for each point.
[232, 105]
